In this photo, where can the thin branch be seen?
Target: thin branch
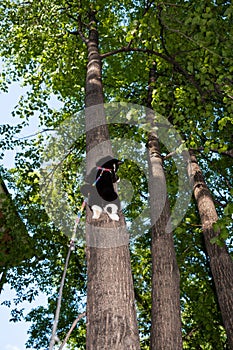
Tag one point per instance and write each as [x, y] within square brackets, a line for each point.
[79, 30]
[56, 319]
[162, 27]
[228, 153]
[71, 329]
[169, 4]
[220, 195]
[32, 135]
[169, 59]
[191, 332]
[49, 178]
[219, 203]
[148, 5]
[227, 182]
[170, 155]
[199, 44]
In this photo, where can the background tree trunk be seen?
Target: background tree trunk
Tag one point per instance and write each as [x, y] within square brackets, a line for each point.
[221, 263]
[111, 315]
[166, 320]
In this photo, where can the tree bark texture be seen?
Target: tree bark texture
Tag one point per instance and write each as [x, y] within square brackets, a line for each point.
[221, 263]
[97, 136]
[111, 314]
[166, 319]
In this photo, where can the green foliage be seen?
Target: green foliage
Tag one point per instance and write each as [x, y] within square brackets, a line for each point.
[141, 266]
[191, 46]
[200, 313]
[15, 243]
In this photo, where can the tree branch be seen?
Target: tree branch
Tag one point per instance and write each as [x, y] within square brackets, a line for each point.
[79, 30]
[71, 329]
[148, 5]
[162, 27]
[169, 59]
[228, 153]
[32, 135]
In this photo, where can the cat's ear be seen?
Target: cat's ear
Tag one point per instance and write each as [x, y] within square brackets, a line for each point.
[116, 164]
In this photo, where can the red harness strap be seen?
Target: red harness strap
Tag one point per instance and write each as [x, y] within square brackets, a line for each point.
[102, 170]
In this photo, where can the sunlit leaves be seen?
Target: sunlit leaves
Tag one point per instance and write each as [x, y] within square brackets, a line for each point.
[41, 47]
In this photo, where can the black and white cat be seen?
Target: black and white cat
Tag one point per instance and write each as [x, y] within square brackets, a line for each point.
[100, 191]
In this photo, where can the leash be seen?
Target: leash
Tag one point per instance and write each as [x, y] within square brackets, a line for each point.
[72, 244]
[59, 299]
[71, 248]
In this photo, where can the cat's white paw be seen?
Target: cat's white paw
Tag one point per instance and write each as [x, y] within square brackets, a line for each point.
[114, 217]
[97, 211]
[111, 210]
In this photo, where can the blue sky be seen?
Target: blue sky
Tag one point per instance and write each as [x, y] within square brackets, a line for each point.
[12, 335]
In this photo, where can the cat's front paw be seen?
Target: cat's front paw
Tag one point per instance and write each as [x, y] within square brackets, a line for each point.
[97, 211]
[111, 210]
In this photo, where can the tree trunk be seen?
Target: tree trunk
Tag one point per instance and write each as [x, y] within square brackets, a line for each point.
[111, 315]
[166, 320]
[221, 263]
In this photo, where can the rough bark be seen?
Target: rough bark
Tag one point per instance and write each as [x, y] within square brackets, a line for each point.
[221, 263]
[97, 136]
[166, 319]
[111, 315]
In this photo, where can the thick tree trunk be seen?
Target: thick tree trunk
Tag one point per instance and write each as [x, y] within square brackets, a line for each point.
[221, 263]
[97, 136]
[166, 319]
[111, 315]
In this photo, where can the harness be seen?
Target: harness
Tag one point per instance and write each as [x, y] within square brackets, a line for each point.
[84, 204]
[102, 171]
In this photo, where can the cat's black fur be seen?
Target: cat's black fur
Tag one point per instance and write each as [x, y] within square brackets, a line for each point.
[100, 190]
